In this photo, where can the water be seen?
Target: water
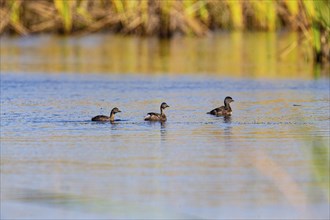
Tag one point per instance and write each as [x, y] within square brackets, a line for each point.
[269, 160]
[239, 55]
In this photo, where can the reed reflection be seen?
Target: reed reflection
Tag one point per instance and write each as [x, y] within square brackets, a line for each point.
[112, 54]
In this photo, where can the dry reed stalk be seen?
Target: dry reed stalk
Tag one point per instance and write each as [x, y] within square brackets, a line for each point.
[14, 17]
[192, 20]
[5, 18]
[83, 13]
[152, 17]
[42, 9]
[98, 25]
[44, 26]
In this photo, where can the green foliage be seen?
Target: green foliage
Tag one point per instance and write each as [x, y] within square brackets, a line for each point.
[235, 8]
[320, 28]
[316, 33]
[322, 13]
[64, 9]
[14, 11]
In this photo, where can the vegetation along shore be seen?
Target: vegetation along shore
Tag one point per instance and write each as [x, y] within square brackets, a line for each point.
[165, 18]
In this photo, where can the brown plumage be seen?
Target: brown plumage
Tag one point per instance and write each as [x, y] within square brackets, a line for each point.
[151, 116]
[223, 110]
[107, 118]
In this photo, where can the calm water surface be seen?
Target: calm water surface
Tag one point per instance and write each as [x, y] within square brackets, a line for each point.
[269, 160]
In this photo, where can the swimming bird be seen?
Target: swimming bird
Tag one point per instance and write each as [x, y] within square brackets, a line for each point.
[223, 110]
[107, 118]
[151, 116]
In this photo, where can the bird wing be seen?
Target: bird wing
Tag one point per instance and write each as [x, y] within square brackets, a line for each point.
[153, 113]
[151, 116]
[216, 110]
[100, 118]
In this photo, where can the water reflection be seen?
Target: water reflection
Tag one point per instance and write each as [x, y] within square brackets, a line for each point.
[235, 54]
[321, 164]
[114, 124]
[163, 132]
[157, 125]
[227, 119]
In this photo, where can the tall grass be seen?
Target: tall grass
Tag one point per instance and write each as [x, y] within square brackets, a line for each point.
[321, 30]
[64, 9]
[167, 17]
[196, 17]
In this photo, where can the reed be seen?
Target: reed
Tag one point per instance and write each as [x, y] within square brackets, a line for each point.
[196, 17]
[235, 10]
[64, 9]
[167, 17]
[321, 31]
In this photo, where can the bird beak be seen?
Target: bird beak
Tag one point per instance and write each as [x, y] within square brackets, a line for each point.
[167, 106]
[119, 110]
[232, 100]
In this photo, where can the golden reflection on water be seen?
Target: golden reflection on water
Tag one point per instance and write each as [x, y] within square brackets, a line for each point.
[237, 54]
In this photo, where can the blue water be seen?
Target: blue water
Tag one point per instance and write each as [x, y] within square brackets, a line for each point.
[269, 160]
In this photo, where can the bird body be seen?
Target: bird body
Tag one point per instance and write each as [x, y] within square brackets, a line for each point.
[110, 118]
[152, 116]
[223, 110]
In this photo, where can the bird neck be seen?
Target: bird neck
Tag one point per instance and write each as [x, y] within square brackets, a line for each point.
[112, 116]
[161, 111]
[227, 105]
